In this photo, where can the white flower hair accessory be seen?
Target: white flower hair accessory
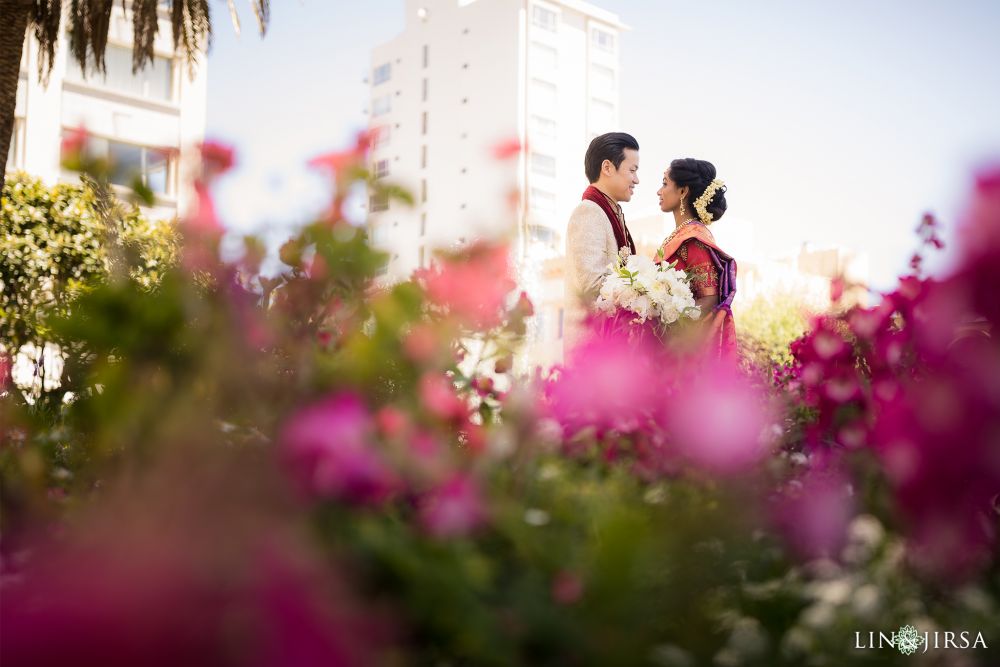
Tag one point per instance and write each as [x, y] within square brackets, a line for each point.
[701, 203]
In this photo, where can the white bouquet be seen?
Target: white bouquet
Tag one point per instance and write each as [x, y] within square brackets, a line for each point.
[649, 291]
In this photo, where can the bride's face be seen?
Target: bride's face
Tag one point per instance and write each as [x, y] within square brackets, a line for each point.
[670, 196]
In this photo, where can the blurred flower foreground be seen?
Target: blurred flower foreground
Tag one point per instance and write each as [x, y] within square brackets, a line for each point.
[202, 465]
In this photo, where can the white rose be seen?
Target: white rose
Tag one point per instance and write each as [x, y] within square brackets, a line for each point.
[626, 296]
[611, 286]
[668, 314]
[640, 263]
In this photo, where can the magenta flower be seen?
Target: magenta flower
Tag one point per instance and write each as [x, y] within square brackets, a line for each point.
[437, 394]
[130, 598]
[454, 509]
[216, 159]
[507, 149]
[74, 143]
[567, 588]
[472, 285]
[611, 384]
[717, 419]
[329, 446]
[813, 513]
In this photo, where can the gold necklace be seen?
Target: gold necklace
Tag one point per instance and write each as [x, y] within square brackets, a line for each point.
[679, 228]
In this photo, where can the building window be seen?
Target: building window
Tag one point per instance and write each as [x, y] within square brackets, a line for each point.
[602, 78]
[423, 123]
[544, 57]
[423, 224]
[543, 127]
[155, 81]
[423, 157]
[382, 74]
[381, 105]
[543, 93]
[381, 169]
[424, 93]
[543, 235]
[378, 201]
[546, 19]
[543, 203]
[602, 115]
[603, 40]
[427, 55]
[129, 162]
[423, 190]
[543, 165]
[540, 325]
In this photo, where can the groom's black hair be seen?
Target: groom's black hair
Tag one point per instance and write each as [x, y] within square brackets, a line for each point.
[610, 146]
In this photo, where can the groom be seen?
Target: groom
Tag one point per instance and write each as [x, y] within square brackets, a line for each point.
[597, 228]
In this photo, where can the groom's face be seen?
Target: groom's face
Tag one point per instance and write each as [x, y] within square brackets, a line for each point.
[621, 182]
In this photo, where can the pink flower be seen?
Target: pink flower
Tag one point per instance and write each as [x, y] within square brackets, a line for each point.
[329, 446]
[507, 148]
[472, 285]
[716, 420]
[337, 162]
[74, 143]
[609, 383]
[454, 509]
[836, 289]
[422, 344]
[437, 394]
[567, 588]
[814, 513]
[216, 158]
[524, 307]
[203, 217]
[392, 422]
[185, 596]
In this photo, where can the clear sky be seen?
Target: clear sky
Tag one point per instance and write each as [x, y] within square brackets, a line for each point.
[831, 122]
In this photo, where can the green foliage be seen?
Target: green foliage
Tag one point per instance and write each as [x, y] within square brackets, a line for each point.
[767, 325]
[579, 560]
[55, 246]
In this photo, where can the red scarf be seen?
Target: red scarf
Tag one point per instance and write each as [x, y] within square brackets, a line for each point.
[622, 236]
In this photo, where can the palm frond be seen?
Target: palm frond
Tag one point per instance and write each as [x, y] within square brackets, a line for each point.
[234, 15]
[89, 24]
[145, 25]
[192, 28]
[262, 12]
[45, 19]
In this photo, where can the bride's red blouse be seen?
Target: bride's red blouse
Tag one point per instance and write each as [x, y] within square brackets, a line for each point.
[693, 256]
[713, 273]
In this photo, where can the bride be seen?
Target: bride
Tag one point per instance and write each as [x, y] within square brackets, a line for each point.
[697, 198]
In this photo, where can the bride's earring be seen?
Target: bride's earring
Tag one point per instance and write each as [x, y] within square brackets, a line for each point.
[682, 207]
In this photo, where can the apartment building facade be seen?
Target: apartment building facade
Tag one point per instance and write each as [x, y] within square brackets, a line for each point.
[147, 122]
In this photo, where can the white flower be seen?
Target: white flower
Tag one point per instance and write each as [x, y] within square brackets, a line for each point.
[640, 263]
[606, 306]
[641, 306]
[611, 287]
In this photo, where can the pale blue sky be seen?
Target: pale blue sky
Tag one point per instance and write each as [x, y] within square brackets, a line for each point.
[831, 122]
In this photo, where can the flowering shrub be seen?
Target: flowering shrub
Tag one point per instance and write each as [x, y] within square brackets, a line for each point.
[316, 469]
[55, 244]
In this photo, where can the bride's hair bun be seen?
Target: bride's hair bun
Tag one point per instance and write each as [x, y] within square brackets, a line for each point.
[698, 175]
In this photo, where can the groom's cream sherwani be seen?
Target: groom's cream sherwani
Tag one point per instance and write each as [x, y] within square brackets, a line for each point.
[590, 248]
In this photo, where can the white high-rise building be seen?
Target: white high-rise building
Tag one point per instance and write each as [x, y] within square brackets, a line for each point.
[465, 76]
[144, 121]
